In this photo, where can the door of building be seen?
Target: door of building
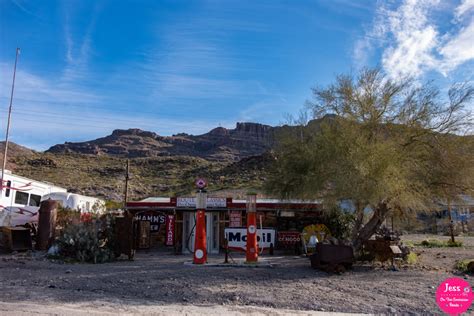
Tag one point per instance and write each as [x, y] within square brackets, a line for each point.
[212, 232]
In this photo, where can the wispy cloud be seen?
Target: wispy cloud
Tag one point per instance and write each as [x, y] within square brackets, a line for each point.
[465, 7]
[263, 111]
[78, 48]
[412, 40]
[33, 88]
[45, 113]
[20, 5]
[192, 59]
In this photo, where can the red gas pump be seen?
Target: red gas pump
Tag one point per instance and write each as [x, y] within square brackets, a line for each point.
[251, 254]
[200, 247]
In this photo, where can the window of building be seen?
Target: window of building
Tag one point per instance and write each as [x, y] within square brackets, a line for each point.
[21, 198]
[7, 191]
[35, 200]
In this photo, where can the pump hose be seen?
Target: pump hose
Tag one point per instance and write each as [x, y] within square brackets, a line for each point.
[190, 234]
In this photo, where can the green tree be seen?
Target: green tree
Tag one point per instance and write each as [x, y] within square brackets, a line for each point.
[451, 171]
[371, 141]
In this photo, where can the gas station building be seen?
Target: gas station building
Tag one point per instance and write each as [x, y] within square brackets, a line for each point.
[169, 223]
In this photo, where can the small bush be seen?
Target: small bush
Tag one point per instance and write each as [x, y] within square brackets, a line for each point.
[339, 222]
[412, 258]
[454, 244]
[435, 243]
[465, 266]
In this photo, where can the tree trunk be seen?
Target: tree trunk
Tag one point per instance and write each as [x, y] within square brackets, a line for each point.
[451, 223]
[359, 219]
[372, 225]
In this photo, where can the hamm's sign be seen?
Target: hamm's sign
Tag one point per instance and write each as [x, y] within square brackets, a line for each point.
[237, 237]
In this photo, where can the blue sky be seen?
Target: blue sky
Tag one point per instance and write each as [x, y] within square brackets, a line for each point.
[89, 67]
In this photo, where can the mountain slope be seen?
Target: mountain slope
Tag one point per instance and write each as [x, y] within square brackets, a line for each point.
[220, 144]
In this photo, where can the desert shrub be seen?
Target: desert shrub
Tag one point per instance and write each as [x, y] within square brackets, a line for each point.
[435, 243]
[92, 241]
[339, 222]
[454, 243]
[412, 258]
[113, 205]
[66, 217]
[465, 266]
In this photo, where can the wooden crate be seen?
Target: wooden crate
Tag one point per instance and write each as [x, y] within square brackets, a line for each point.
[16, 238]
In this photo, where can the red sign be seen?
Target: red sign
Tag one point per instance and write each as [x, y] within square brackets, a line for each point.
[201, 183]
[235, 219]
[289, 238]
[169, 230]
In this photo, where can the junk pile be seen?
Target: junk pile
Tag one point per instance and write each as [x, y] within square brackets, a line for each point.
[326, 252]
[386, 246]
[333, 256]
[70, 235]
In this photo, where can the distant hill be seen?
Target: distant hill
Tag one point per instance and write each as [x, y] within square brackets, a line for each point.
[220, 144]
[14, 150]
[233, 160]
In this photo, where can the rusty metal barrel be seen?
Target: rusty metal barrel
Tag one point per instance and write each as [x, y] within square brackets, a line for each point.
[46, 224]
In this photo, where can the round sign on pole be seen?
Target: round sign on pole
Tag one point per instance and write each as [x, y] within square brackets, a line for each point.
[201, 183]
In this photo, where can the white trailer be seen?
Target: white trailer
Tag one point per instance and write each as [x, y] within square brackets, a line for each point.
[20, 198]
[85, 204]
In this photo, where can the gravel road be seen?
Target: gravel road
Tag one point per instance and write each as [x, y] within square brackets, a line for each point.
[160, 283]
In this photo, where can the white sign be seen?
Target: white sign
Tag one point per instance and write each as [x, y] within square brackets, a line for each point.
[237, 237]
[191, 202]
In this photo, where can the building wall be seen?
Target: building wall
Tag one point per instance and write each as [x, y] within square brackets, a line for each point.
[268, 219]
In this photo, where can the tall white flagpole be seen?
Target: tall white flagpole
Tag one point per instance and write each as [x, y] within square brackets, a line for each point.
[9, 119]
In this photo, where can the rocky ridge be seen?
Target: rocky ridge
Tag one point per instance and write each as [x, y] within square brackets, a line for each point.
[219, 144]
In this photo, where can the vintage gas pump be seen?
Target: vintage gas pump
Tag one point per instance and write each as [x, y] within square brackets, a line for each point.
[252, 247]
[200, 247]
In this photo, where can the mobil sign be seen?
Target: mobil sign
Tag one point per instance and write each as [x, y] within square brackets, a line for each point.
[237, 237]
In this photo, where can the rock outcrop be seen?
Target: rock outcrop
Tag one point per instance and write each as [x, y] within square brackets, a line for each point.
[220, 144]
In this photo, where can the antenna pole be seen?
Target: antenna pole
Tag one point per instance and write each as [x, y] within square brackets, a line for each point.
[127, 177]
[9, 119]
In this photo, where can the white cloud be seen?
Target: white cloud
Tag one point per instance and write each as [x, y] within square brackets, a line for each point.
[414, 38]
[464, 7]
[411, 41]
[458, 49]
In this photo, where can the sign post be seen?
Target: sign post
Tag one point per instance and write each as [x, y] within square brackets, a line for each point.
[200, 247]
[251, 254]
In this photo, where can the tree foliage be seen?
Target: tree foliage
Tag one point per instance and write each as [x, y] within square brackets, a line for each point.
[381, 143]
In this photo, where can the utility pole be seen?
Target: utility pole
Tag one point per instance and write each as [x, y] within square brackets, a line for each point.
[9, 118]
[451, 223]
[127, 177]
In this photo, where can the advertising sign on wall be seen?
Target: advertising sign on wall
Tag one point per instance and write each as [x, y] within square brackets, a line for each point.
[235, 219]
[289, 238]
[237, 237]
[169, 230]
[191, 202]
[156, 219]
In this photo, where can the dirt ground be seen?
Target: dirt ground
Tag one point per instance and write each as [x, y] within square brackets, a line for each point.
[162, 284]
